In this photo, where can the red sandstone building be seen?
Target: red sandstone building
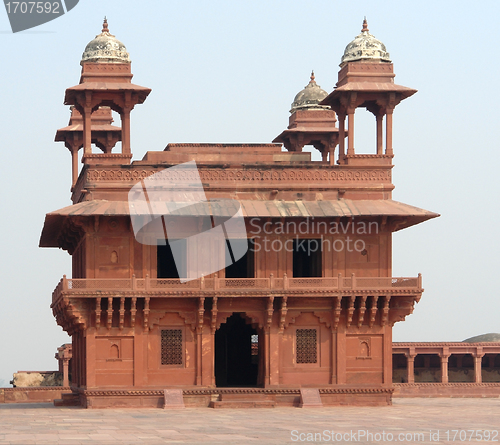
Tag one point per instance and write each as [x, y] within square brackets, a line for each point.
[316, 313]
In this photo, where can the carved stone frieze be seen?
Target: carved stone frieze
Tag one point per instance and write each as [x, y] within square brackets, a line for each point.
[253, 175]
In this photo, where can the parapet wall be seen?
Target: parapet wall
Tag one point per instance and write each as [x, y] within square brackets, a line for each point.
[41, 394]
[490, 390]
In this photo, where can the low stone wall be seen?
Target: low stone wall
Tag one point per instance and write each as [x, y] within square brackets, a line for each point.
[454, 375]
[35, 394]
[447, 390]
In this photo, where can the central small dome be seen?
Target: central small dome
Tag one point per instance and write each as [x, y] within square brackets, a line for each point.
[309, 97]
[365, 47]
[105, 48]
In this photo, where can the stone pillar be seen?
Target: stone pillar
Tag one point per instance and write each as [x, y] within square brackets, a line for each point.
[267, 356]
[324, 155]
[87, 130]
[333, 352]
[478, 358]
[274, 357]
[410, 366]
[379, 118]
[444, 367]
[140, 345]
[74, 162]
[341, 356]
[332, 142]
[388, 132]
[65, 371]
[90, 358]
[341, 135]
[199, 354]
[387, 354]
[350, 130]
[126, 131]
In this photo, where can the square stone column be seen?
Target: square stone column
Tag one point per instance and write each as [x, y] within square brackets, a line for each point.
[444, 367]
[478, 358]
[410, 366]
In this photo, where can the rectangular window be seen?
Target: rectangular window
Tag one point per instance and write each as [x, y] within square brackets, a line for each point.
[172, 259]
[307, 258]
[244, 267]
[307, 345]
[171, 347]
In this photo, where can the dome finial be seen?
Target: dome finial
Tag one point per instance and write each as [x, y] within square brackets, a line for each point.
[365, 25]
[105, 25]
[312, 77]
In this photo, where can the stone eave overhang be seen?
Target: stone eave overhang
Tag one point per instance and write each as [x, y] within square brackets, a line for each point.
[403, 215]
[367, 88]
[105, 87]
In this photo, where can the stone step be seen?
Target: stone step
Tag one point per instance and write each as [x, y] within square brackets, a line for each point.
[68, 399]
[243, 404]
[247, 397]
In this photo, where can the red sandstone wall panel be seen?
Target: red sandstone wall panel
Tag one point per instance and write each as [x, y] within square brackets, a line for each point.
[78, 261]
[320, 372]
[113, 257]
[364, 359]
[138, 258]
[167, 378]
[158, 374]
[300, 376]
[114, 361]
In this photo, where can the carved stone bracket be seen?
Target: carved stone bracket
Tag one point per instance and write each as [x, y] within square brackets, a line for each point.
[337, 309]
[201, 314]
[122, 313]
[109, 321]
[373, 310]
[98, 312]
[283, 312]
[146, 314]
[385, 310]
[213, 324]
[362, 309]
[350, 310]
[269, 320]
[133, 311]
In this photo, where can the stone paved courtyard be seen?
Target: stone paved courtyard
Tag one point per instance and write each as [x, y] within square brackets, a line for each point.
[408, 420]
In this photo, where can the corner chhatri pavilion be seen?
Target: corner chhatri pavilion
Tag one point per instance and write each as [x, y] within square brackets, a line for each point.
[307, 323]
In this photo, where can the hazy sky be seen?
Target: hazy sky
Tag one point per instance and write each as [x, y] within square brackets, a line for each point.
[227, 71]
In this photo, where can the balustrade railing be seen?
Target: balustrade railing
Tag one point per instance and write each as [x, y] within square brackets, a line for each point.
[232, 284]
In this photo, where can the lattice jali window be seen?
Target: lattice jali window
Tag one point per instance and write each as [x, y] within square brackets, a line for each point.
[171, 347]
[307, 345]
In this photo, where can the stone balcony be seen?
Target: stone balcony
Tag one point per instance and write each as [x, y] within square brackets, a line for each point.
[360, 300]
[162, 287]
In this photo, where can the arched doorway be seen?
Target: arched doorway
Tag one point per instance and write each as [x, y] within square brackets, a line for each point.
[236, 353]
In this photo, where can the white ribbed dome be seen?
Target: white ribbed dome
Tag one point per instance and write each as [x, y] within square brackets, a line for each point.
[365, 47]
[105, 48]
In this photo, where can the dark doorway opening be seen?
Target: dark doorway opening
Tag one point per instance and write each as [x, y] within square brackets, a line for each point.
[172, 259]
[244, 267]
[236, 357]
[307, 257]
